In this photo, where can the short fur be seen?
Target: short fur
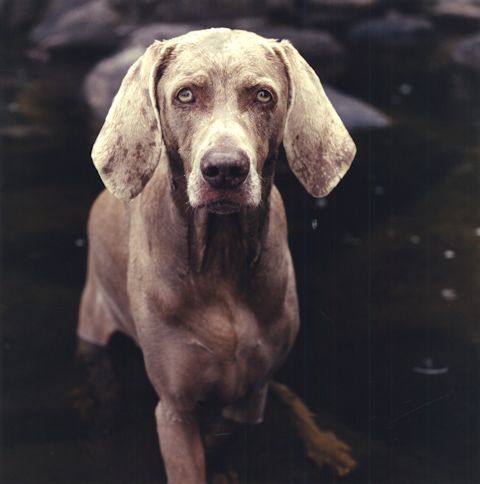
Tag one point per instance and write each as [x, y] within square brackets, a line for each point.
[202, 278]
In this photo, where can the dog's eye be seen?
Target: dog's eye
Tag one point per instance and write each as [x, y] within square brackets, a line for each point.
[264, 96]
[185, 96]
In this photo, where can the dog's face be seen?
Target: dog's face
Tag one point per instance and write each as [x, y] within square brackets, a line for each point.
[220, 102]
[223, 104]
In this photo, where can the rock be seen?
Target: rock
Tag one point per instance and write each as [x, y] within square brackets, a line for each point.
[461, 14]
[356, 114]
[393, 29]
[103, 81]
[319, 48]
[144, 36]
[320, 13]
[91, 25]
[55, 10]
[345, 4]
[465, 53]
[18, 15]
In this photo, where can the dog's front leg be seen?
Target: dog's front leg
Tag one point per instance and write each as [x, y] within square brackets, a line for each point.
[181, 444]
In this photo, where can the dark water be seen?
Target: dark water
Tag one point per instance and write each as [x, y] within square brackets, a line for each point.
[388, 277]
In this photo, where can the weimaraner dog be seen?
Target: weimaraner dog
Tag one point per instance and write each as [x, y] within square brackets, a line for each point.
[188, 252]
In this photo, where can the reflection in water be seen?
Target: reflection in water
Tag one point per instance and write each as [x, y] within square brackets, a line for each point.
[387, 271]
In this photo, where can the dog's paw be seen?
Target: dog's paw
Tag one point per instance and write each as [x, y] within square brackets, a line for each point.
[324, 448]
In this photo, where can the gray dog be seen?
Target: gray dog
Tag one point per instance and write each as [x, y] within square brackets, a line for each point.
[196, 268]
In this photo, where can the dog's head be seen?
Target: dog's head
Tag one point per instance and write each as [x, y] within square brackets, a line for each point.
[220, 102]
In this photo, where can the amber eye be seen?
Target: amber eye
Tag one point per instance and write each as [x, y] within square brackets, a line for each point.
[264, 96]
[185, 96]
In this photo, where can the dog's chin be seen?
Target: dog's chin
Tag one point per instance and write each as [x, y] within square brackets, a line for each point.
[222, 207]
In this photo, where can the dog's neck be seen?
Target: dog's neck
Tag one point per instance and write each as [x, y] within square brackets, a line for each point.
[221, 243]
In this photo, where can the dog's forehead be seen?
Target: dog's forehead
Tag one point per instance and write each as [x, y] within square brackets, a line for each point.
[225, 51]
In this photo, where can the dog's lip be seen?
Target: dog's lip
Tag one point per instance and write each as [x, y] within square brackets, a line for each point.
[222, 206]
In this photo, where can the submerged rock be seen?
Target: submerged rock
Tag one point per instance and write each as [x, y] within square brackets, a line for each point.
[464, 14]
[465, 53]
[357, 114]
[103, 81]
[318, 47]
[394, 28]
[19, 14]
[345, 4]
[330, 14]
[54, 11]
[144, 36]
[89, 25]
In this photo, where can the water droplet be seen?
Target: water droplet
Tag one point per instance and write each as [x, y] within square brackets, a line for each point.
[449, 254]
[314, 224]
[379, 190]
[428, 367]
[405, 89]
[321, 203]
[449, 294]
[79, 243]
[415, 239]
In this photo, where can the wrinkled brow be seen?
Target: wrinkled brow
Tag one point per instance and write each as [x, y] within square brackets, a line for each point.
[252, 81]
[199, 79]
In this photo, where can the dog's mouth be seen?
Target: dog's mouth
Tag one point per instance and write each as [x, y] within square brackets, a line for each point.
[222, 207]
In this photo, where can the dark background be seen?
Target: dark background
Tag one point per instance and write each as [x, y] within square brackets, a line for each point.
[388, 265]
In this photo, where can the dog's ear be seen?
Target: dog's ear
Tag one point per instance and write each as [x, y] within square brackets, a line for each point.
[129, 145]
[318, 147]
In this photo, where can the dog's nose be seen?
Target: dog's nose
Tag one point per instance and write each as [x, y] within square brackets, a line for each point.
[225, 169]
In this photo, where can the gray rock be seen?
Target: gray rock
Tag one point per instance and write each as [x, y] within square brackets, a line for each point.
[144, 36]
[320, 13]
[345, 4]
[19, 14]
[356, 114]
[393, 29]
[93, 24]
[55, 10]
[318, 47]
[102, 83]
[466, 53]
[464, 14]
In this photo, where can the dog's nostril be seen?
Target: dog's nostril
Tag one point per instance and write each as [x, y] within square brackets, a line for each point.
[210, 171]
[236, 171]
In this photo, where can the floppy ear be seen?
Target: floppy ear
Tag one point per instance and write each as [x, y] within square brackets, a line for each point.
[318, 147]
[129, 145]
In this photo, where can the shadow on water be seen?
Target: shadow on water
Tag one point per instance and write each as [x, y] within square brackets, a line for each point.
[387, 270]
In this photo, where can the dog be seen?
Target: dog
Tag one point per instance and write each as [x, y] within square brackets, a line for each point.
[188, 251]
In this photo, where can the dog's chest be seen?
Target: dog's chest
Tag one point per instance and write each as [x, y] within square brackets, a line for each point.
[237, 349]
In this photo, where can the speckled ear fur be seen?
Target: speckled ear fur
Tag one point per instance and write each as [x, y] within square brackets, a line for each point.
[318, 147]
[129, 145]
